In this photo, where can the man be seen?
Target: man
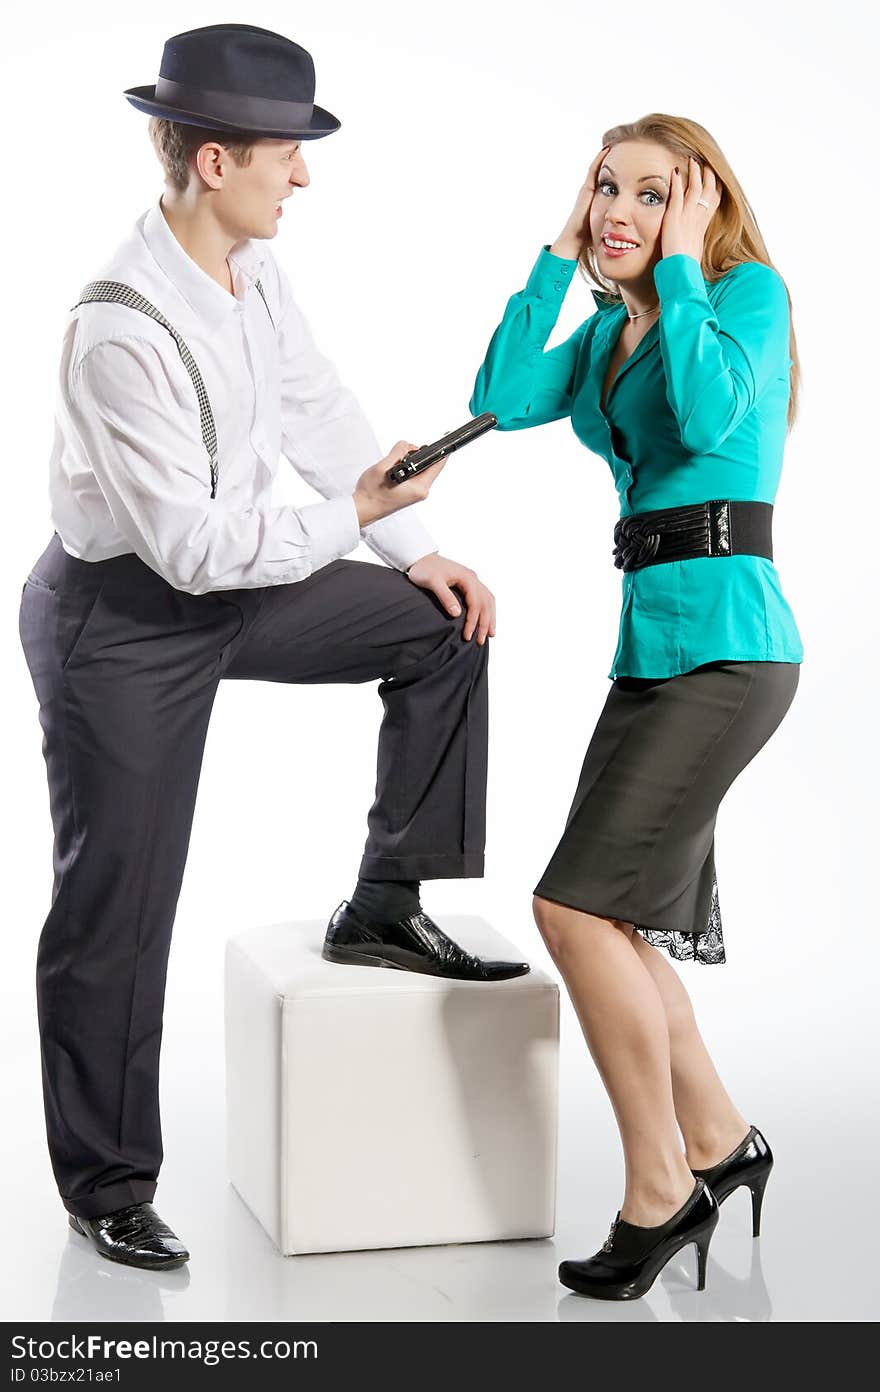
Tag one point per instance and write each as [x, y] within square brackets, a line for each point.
[186, 369]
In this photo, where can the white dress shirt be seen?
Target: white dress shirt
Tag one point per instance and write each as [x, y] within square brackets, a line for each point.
[129, 470]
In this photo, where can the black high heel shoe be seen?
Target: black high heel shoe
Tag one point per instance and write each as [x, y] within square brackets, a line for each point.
[749, 1164]
[633, 1256]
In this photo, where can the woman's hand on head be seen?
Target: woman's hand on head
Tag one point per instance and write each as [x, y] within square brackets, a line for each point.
[686, 220]
[570, 242]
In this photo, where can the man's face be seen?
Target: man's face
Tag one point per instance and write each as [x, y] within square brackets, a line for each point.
[252, 197]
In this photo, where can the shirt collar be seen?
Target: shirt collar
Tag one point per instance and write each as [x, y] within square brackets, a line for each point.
[208, 300]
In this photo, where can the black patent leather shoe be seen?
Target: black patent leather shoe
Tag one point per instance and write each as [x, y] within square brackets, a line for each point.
[632, 1257]
[749, 1164]
[135, 1236]
[413, 943]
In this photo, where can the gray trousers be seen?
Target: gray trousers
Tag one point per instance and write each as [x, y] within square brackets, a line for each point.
[126, 668]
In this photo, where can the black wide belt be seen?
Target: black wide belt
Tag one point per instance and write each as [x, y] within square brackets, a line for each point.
[722, 527]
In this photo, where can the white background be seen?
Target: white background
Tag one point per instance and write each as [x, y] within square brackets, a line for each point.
[466, 133]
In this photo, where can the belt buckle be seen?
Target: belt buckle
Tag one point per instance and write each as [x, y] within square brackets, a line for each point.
[718, 518]
[635, 543]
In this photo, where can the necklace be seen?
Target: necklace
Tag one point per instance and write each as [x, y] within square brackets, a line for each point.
[643, 312]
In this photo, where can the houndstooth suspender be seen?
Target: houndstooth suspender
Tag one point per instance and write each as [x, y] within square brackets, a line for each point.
[116, 293]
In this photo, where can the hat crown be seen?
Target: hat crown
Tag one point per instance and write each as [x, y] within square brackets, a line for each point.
[240, 59]
[240, 79]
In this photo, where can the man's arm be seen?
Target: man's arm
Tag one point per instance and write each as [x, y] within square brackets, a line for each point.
[327, 438]
[138, 420]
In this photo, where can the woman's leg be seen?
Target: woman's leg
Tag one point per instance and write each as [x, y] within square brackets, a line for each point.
[710, 1123]
[624, 1022]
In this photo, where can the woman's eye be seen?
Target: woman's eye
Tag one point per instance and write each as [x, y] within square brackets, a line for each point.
[646, 193]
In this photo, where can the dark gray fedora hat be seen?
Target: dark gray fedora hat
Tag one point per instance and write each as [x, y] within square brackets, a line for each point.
[240, 79]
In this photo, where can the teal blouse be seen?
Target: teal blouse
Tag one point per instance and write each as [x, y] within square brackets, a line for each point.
[697, 411]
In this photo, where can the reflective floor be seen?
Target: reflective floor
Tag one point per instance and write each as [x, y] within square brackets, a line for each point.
[236, 1274]
[810, 1088]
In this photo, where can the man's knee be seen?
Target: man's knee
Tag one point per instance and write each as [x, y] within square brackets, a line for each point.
[450, 629]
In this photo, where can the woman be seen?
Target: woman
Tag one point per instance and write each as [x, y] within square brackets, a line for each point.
[685, 381]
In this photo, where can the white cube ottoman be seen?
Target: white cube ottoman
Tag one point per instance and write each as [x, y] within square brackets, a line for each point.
[368, 1107]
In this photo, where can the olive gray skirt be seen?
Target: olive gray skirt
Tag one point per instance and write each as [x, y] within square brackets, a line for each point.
[639, 843]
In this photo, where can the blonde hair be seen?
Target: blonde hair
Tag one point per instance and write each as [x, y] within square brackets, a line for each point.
[733, 235]
[175, 144]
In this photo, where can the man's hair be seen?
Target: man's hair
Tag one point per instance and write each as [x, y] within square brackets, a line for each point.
[175, 144]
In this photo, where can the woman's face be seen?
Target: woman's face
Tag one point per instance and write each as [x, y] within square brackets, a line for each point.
[632, 190]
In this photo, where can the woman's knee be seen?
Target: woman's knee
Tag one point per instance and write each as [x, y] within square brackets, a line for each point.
[559, 925]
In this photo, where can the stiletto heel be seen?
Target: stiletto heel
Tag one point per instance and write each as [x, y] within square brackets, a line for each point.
[632, 1256]
[757, 1187]
[750, 1164]
[702, 1245]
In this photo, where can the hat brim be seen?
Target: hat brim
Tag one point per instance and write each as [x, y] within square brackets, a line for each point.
[322, 122]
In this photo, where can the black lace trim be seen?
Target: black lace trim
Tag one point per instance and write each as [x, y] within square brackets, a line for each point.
[707, 947]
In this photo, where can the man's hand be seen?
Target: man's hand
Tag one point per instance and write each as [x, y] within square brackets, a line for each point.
[438, 574]
[375, 497]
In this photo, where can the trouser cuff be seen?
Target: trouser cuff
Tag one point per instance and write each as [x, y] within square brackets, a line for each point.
[423, 867]
[108, 1199]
